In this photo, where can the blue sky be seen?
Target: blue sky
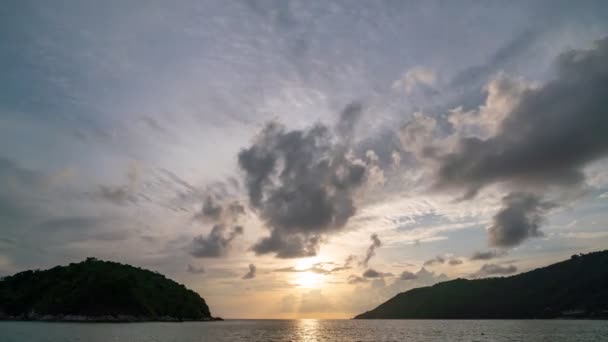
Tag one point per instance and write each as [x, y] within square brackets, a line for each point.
[120, 122]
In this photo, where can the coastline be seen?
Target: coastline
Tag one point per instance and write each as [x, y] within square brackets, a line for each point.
[102, 318]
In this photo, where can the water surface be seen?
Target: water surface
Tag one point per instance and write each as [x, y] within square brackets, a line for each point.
[310, 330]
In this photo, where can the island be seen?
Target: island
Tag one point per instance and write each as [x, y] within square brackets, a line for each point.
[98, 291]
[575, 288]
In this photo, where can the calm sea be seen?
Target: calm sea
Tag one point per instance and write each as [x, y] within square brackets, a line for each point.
[309, 330]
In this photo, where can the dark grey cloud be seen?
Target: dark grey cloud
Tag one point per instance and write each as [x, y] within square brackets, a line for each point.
[487, 255]
[494, 269]
[371, 273]
[251, 273]
[211, 209]
[221, 215]
[194, 269]
[217, 244]
[406, 275]
[301, 184]
[547, 138]
[355, 279]
[216, 211]
[455, 262]
[287, 245]
[436, 260]
[371, 250]
[519, 218]
[349, 118]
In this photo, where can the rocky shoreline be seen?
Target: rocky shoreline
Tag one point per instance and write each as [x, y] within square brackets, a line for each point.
[101, 318]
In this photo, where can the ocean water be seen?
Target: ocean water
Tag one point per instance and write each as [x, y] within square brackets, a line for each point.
[310, 330]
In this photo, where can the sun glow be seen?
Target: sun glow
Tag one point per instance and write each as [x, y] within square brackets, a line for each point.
[308, 279]
[305, 277]
[305, 263]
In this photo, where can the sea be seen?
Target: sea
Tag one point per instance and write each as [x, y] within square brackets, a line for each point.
[311, 330]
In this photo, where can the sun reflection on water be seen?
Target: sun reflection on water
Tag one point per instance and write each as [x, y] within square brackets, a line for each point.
[308, 330]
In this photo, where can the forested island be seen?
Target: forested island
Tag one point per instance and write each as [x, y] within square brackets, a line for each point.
[575, 288]
[96, 290]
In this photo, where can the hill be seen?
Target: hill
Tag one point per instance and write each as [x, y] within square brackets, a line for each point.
[576, 288]
[95, 290]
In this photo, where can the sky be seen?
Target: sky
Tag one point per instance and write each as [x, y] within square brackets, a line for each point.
[303, 159]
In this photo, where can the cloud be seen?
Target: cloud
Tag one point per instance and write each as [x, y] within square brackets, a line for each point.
[371, 273]
[487, 255]
[211, 209]
[436, 260]
[416, 135]
[301, 183]
[494, 269]
[518, 219]
[503, 56]
[121, 194]
[82, 228]
[222, 215]
[371, 250]
[568, 111]
[118, 195]
[214, 211]
[420, 79]
[455, 262]
[355, 279]
[194, 269]
[406, 275]
[251, 273]
[217, 244]
[319, 268]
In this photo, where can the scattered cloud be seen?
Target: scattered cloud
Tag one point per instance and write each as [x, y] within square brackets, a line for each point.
[418, 79]
[195, 269]
[371, 273]
[435, 261]
[251, 273]
[371, 250]
[217, 244]
[455, 261]
[355, 279]
[487, 255]
[407, 275]
[122, 194]
[494, 269]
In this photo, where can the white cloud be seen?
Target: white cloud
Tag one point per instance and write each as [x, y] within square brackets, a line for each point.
[416, 77]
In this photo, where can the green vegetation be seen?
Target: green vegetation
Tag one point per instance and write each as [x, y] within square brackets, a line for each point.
[575, 288]
[95, 288]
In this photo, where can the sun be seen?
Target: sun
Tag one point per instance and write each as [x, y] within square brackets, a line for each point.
[305, 278]
[308, 279]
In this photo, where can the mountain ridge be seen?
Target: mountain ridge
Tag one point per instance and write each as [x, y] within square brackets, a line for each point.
[99, 291]
[573, 288]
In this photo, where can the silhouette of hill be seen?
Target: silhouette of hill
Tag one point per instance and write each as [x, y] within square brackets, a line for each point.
[575, 288]
[95, 290]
